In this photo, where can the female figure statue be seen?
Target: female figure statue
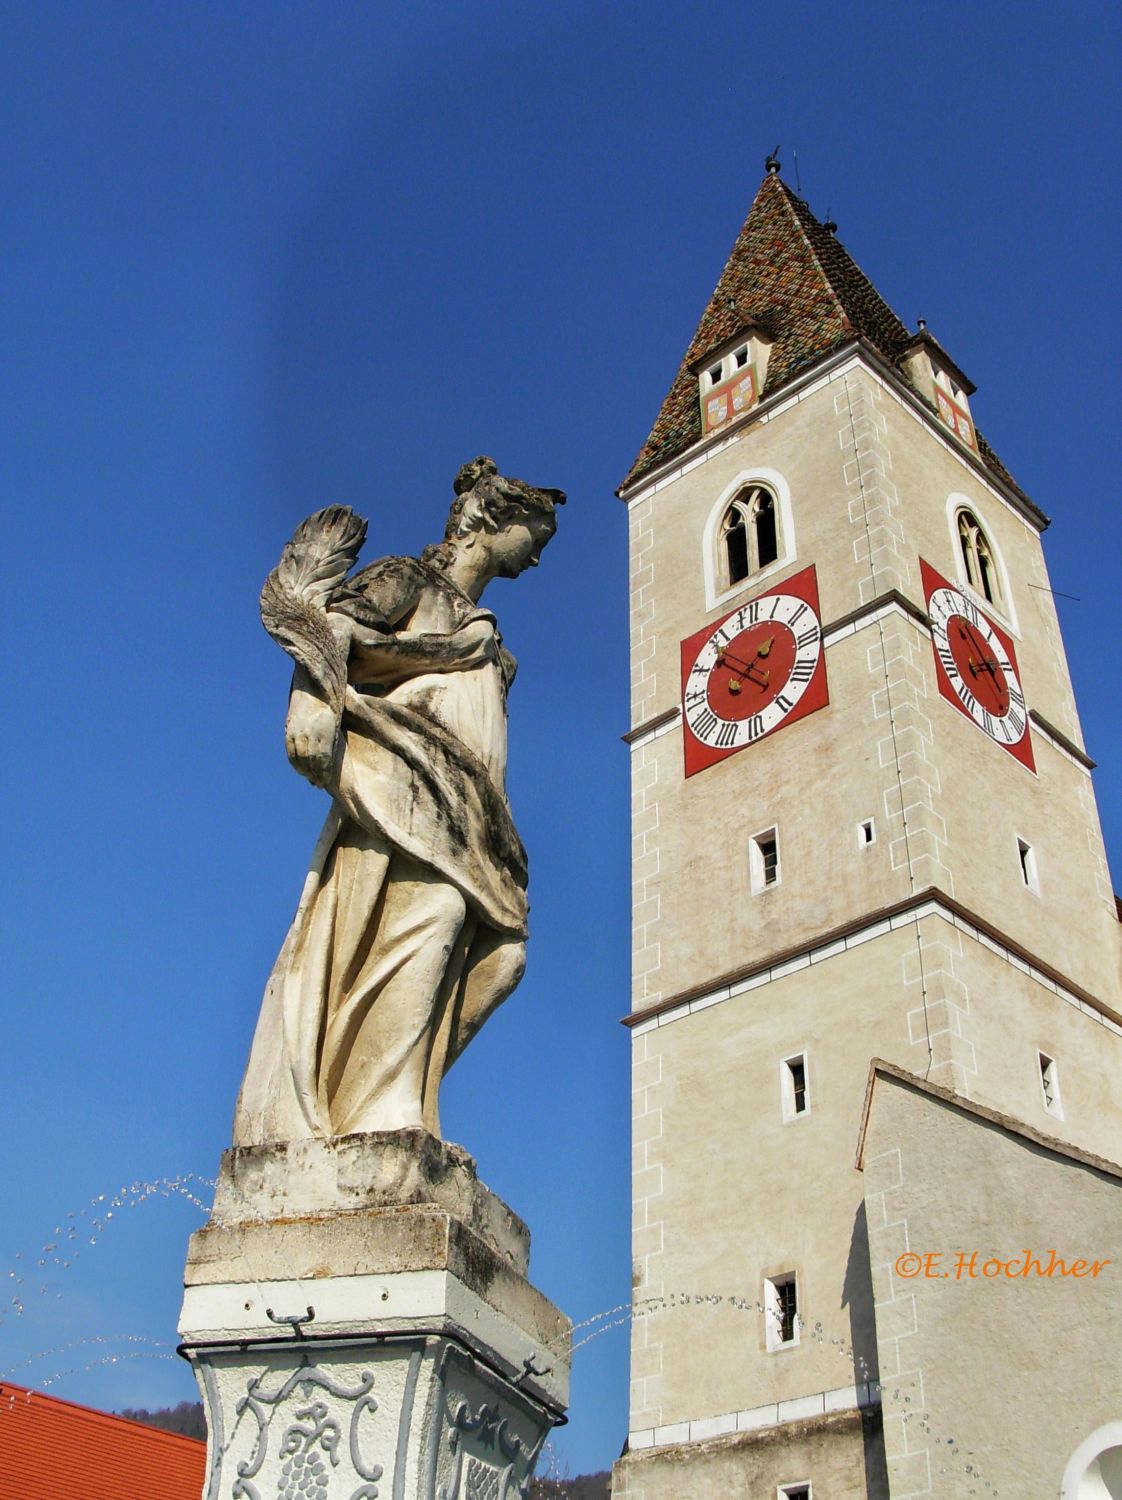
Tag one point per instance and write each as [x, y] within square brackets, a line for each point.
[412, 925]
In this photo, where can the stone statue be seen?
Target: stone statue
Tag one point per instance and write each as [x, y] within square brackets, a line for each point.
[412, 925]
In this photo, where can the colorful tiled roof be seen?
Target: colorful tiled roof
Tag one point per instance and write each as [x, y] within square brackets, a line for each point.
[51, 1448]
[793, 278]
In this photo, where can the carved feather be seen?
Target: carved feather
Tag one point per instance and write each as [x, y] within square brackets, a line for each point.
[321, 553]
[297, 592]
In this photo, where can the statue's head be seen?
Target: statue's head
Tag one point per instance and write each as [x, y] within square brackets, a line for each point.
[488, 503]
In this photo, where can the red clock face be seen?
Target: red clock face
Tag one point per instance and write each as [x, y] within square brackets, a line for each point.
[753, 669]
[976, 666]
[760, 667]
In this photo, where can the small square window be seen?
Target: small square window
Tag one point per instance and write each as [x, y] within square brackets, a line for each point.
[794, 1491]
[715, 375]
[1050, 1084]
[793, 1086]
[763, 860]
[781, 1311]
[741, 357]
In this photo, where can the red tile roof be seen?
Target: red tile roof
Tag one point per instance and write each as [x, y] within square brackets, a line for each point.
[794, 279]
[50, 1449]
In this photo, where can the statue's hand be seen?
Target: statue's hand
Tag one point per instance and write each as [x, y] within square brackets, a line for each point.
[392, 658]
[310, 733]
[476, 641]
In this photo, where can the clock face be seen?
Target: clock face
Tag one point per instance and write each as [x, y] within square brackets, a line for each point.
[976, 666]
[760, 667]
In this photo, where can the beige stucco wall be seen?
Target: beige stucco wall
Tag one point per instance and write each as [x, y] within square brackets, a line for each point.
[988, 1385]
[728, 1192]
[870, 487]
[841, 1451]
[725, 1193]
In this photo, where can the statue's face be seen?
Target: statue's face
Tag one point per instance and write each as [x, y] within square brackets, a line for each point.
[519, 544]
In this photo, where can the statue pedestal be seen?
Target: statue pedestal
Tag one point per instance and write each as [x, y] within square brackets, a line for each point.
[359, 1319]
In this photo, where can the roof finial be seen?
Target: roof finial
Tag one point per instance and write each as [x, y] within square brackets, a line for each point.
[772, 163]
[922, 322]
[829, 226]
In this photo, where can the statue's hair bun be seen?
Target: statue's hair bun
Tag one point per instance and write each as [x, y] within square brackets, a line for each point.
[471, 473]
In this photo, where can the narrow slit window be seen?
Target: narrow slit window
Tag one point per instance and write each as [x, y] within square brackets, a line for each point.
[986, 568]
[736, 545]
[866, 833]
[767, 532]
[1027, 857]
[1050, 1084]
[793, 1085]
[781, 1309]
[968, 555]
[763, 859]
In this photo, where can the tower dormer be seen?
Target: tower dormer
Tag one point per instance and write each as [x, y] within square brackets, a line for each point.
[731, 376]
[941, 384]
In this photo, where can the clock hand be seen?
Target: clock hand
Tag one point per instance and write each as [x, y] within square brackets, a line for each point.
[987, 664]
[738, 682]
[725, 656]
[747, 669]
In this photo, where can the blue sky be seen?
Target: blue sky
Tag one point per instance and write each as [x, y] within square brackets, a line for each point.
[258, 258]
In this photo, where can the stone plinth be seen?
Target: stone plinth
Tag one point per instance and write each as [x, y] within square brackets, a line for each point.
[359, 1317]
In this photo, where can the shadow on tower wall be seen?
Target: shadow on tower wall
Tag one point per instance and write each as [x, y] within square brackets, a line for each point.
[857, 1296]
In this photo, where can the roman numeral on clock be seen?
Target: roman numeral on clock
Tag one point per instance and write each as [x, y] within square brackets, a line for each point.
[704, 723]
[726, 735]
[803, 670]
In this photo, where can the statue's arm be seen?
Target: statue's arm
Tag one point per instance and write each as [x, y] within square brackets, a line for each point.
[311, 728]
[379, 656]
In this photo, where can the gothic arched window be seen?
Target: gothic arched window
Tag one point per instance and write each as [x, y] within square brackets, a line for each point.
[978, 558]
[749, 533]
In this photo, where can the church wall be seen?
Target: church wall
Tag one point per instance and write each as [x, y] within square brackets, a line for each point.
[928, 997]
[1005, 1018]
[988, 1383]
[928, 471]
[871, 485]
[725, 1192]
[959, 794]
[671, 524]
[808, 782]
[708, 1100]
[988, 801]
[841, 1451]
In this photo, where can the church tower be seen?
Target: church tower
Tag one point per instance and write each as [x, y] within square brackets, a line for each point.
[877, 989]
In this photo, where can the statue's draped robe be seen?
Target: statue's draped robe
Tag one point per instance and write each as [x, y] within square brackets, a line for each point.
[412, 924]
